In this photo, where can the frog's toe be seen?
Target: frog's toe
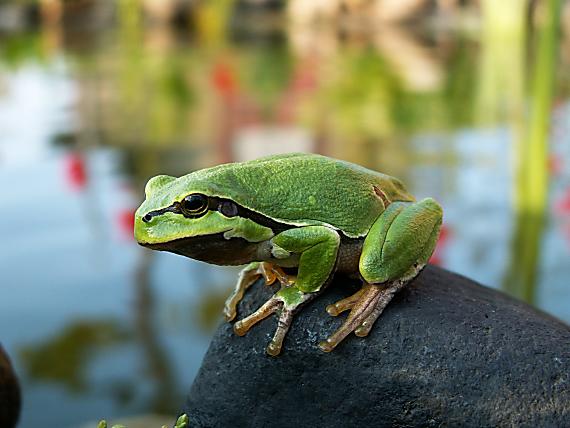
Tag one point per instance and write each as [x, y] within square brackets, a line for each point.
[273, 273]
[386, 295]
[248, 276]
[283, 324]
[230, 310]
[242, 327]
[361, 309]
[229, 315]
[364, 329]
[365, 311]
[274, 347]
[344, 304]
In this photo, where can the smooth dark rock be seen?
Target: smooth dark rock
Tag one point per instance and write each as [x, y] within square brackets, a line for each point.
[10, 399]
[446, 352]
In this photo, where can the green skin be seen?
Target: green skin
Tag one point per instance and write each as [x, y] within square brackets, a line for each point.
[317, 214]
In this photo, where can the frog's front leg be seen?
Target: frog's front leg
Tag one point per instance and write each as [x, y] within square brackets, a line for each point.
[248, 275]
[317, 247]
[396, 249]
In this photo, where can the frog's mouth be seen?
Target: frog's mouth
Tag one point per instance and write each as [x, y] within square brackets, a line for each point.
[210, 249]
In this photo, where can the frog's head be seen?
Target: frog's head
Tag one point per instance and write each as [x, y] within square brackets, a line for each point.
[188, 216]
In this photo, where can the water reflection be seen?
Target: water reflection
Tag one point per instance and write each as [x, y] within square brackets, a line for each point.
[531, 183]
[95, 98]
[158, 368]
[64, 359]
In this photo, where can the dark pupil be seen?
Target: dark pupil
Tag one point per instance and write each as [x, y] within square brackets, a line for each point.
[194, 202]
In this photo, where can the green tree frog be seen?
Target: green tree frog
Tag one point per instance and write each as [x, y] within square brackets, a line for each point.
[304, 211]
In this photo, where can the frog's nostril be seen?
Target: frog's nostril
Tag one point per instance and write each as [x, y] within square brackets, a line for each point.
[147, 218]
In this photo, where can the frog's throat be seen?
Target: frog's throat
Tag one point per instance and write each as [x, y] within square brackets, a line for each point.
[214, 248]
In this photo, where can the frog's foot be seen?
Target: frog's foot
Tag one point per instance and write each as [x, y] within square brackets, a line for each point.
[248, 276]
[273, 273]
[286, 300]
[386, 296]
[365, 307]
[345, 304]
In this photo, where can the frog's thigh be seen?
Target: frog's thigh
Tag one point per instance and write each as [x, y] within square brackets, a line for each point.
[403, 237]
[318, 248]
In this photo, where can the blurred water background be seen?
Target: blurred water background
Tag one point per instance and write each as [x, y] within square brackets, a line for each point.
[465, 101]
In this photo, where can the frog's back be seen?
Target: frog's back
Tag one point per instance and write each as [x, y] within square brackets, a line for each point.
[305, 189]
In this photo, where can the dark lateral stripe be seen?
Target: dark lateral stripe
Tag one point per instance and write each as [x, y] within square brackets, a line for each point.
[275, 225]
[172, 208]
[256, 217]
[216, 204]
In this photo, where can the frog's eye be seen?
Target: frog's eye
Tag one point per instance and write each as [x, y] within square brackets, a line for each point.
[194, 205]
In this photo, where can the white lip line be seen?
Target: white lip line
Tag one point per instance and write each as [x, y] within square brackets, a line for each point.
[184, 237]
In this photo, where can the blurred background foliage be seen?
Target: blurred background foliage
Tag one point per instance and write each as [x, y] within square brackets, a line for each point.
[465, 100]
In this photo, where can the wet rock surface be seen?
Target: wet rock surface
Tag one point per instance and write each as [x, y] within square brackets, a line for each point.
[446, 352]
[9, 393]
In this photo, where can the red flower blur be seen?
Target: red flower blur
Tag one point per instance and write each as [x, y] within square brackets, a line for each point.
[223, 80]
[126, 222]
[75, 172]
[562, 206]
[444, 236]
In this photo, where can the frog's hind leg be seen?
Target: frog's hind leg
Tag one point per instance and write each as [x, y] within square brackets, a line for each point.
[251, 273]
[396, 248]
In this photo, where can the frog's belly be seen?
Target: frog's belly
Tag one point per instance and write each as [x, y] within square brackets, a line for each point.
[349, 255]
